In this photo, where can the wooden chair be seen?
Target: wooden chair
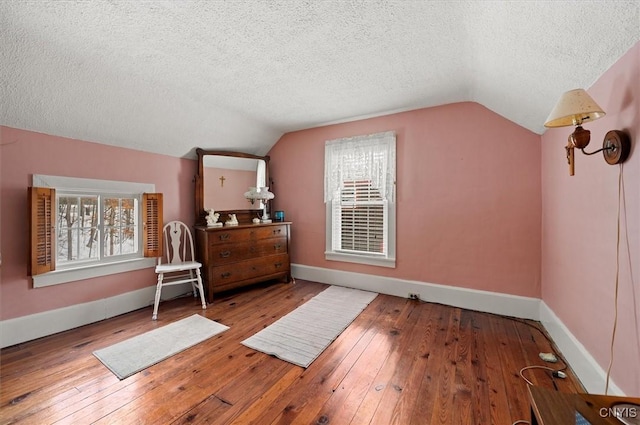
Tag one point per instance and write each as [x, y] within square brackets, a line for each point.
[180, 265]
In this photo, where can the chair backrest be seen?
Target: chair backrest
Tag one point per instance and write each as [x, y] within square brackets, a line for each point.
[178, 243]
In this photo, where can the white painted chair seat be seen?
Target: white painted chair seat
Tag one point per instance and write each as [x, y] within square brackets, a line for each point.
[179, 264]
[168, 268]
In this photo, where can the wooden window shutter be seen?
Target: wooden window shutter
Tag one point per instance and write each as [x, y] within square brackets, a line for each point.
[152, 222]
[42, 231]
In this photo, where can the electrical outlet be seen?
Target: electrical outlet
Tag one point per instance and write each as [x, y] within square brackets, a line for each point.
[413, 296]
[548, 357]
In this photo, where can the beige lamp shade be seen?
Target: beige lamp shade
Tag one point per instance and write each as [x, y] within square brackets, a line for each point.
[574, 108]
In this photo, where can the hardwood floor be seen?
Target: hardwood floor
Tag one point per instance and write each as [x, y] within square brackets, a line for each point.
[400, 362]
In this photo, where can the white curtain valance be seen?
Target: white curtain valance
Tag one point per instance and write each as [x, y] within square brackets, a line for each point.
[371, 157]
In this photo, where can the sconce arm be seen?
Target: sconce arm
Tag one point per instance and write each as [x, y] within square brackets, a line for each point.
[615, 147]
[606, 148]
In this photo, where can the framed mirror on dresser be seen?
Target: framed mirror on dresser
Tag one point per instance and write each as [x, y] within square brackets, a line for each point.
[234, 255]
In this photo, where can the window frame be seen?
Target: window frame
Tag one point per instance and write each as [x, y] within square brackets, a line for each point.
[374, 259]
[80, 271]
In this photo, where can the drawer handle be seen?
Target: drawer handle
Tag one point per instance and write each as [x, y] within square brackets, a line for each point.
[277, 231]
[225, 275]
[252, 249]
[225, 254]
[277, 246]
[225, 236]
[278, 265]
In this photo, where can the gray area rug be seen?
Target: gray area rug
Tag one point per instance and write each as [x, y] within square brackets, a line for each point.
[135, 354]
[302, 335]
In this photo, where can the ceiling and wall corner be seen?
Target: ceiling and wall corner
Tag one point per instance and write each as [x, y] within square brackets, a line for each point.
[167, 76]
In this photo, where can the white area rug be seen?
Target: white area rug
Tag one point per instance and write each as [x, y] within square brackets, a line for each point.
[135, 354]
[302, 335]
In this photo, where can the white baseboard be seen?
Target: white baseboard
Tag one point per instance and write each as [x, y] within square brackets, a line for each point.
[470, 299]
[592, 376]
[27, 328]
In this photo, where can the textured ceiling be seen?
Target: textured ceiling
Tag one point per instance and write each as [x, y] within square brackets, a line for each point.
[167, 76]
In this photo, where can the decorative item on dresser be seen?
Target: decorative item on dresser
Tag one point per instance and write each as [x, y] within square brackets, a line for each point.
[263, 195]
[241, 255]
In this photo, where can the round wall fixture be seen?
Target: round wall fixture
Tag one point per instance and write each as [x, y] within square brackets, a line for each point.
[616, 147]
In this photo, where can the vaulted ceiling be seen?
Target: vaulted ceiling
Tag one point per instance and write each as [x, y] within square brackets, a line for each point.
[167, 76]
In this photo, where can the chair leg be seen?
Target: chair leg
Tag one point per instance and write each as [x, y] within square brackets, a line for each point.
[157, 301]
[201, 289]
[193, 284]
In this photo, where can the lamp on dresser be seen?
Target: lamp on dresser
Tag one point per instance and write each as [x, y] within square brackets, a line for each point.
[263, 195]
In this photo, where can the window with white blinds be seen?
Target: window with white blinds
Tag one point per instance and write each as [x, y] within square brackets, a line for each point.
[359, 194]
[360, 219]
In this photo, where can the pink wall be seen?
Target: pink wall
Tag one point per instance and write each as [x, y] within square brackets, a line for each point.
[24, 153]
[468, 197]
[579, 230]
[229, 196]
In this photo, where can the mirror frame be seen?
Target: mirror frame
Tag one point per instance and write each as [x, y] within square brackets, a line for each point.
[199, 180]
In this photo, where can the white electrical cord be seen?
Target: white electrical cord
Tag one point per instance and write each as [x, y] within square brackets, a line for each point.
[536, 367]
[617, 285]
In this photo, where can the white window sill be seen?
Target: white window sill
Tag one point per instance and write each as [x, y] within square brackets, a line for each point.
[96, 270]
[360, 259]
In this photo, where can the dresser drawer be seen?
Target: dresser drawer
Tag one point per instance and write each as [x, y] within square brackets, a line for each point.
[231, 235]
[250, 269]
[232, 252]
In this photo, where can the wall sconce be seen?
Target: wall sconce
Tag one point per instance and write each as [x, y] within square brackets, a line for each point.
[576, 107]
[263, 195]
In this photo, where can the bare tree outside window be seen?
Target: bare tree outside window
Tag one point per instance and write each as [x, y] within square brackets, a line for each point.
[77, 219]
[120, 220]
[84, 220]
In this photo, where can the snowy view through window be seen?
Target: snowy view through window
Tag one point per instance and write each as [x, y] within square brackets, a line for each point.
[91, 228]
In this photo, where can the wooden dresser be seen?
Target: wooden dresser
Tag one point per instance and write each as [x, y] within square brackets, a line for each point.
[237, 256]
